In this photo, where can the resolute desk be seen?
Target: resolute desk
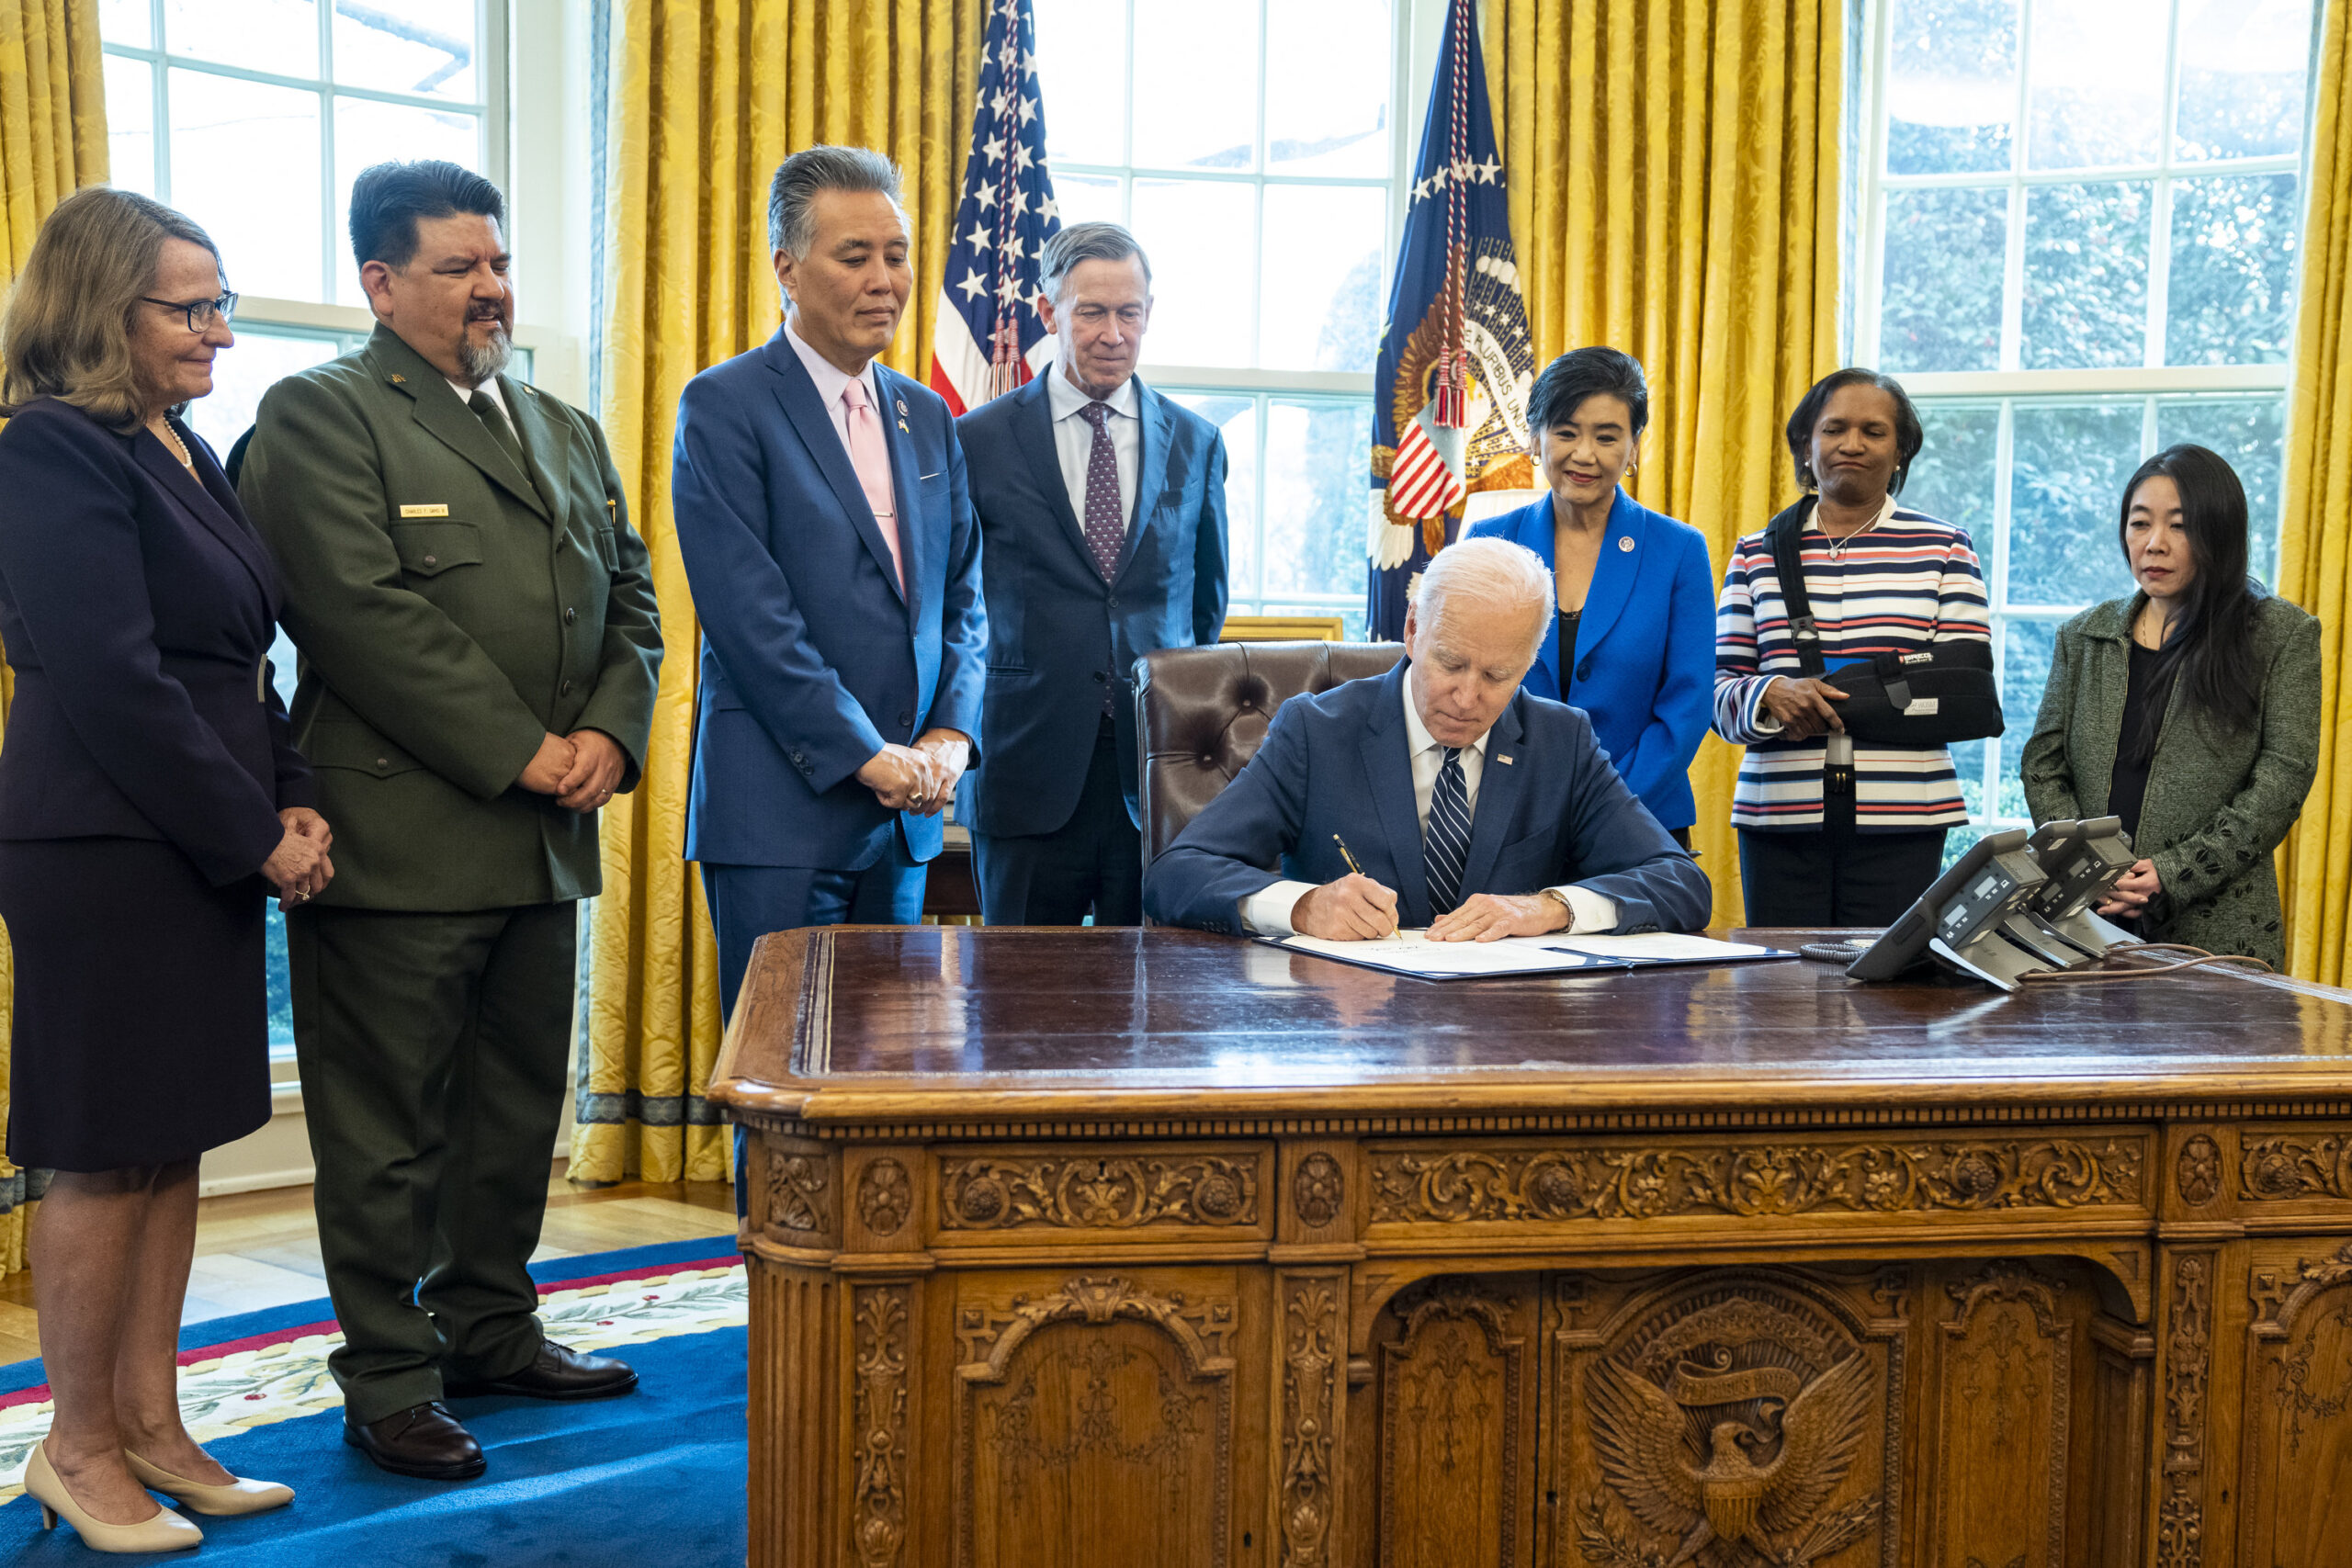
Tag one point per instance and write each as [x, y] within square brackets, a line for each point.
[1103, 1249]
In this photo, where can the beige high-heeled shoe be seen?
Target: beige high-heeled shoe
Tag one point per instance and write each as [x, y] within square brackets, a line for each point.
[239, 1496]
[165, 1532]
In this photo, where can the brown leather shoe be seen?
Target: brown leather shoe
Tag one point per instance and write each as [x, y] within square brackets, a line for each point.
[424, 1441]
[556, 1374]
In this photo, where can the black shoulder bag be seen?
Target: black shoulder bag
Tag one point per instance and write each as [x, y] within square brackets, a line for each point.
[1937, 697]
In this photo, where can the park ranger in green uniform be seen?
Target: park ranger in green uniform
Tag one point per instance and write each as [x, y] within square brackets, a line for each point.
[480, 644]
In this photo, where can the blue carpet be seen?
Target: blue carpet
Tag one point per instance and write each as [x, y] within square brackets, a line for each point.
[651, 1480]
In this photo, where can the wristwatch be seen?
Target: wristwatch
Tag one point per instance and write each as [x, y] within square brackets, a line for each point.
[1567, 908]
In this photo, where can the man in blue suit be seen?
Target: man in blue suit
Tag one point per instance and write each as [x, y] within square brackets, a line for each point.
[823, 518]
[1103, 505]
[1470, 809]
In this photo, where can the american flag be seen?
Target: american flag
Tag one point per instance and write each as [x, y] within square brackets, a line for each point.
[990, 337]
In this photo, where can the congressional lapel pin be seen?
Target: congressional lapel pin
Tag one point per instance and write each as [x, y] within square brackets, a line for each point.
[1625, 543]
[903, 408]
[442, 511]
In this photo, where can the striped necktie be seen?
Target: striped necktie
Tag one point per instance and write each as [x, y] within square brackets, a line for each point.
[1445, 837]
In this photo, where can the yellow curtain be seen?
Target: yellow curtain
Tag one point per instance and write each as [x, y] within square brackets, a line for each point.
[1674, 173]
[2314, 549]
[52, 142]
[708, 98]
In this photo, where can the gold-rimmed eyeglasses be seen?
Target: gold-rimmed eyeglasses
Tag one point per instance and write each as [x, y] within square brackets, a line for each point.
[200, 314]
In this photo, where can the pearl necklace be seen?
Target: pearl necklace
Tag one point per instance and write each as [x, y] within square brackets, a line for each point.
[178, 447]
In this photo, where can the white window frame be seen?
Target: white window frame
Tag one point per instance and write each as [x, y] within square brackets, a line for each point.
[1415, 29]
[2009, 386]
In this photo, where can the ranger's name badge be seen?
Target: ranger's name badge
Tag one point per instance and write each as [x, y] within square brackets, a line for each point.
[424, 511]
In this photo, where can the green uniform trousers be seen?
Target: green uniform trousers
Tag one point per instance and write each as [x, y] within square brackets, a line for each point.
[432, 1050]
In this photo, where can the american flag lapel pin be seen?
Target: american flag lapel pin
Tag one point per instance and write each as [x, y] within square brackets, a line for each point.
[1504, 759]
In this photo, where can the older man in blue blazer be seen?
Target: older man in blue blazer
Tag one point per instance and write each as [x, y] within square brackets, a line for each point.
[1103, 506]
[823, 517]
[1470, 807]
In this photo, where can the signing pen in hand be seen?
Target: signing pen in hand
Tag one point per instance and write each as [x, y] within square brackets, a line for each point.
[1348, 855]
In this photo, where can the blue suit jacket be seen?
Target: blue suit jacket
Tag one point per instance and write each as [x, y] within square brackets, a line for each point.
[137, 605]
[1335, 764]
[1645, 649]
[1058, 632]
[812, 658]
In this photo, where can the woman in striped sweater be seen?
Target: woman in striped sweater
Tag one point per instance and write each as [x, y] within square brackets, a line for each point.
[1830, 833]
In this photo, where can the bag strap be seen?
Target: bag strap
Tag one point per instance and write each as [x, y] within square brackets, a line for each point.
[1784, 532]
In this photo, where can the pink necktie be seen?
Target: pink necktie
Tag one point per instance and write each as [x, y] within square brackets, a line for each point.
[870, 455]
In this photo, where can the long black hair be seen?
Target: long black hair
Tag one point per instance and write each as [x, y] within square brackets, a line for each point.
[2209, 641]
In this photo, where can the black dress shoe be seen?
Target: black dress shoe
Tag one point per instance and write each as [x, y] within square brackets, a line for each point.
[424, 1441]
[556, 1374]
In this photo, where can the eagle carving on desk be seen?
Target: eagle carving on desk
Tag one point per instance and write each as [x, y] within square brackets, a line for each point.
[1732, 1493]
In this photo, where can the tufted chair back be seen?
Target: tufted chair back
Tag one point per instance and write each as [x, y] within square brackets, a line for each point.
[1203, 712]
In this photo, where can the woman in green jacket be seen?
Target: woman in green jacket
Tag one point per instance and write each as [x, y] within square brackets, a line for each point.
[2190, 709]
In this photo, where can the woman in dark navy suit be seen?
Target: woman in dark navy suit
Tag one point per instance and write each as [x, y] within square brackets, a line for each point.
[148, 803]
[1634, 643]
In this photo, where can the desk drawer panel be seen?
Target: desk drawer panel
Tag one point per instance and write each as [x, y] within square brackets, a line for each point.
[1870, 1179]
[992, 1195]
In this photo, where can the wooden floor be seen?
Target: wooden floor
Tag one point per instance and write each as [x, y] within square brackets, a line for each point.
[261, 1249]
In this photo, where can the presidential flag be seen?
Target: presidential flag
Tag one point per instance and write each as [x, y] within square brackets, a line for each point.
[989, 337]
[1450, 391]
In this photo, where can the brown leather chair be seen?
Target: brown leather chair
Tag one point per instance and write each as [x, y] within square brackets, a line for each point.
[1203, 712]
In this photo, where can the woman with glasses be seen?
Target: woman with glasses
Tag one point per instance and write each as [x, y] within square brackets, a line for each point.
[149, 804]
[2191, 709]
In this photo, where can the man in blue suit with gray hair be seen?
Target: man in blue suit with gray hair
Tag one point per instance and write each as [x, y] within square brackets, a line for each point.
[1102, 505]
[1468, 807]
[823, 518]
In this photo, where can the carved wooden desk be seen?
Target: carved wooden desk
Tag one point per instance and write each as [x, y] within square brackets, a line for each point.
[1080, 1249]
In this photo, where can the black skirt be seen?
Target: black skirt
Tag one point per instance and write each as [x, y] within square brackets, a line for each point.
[140, 1019]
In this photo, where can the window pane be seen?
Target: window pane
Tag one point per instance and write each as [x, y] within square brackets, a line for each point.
[258, 361]
[125, 22]
[2095, 93]
[1941, 304]
[1327, 87]
[1196, 231]
[1322, 263]
[2229, 299]
[1081, 76]
[2086, 277]
[1952, 86]
[230, 139]
[368, 132]
[1083, 197]
[2025, 673]
[425, 46]
[277, 36]
[1952, 475]
[131, 124]
[2242, 68]
[2250, 433]
[1197, 92]
[1316, 454]
[2067, 484]
[1238, 418]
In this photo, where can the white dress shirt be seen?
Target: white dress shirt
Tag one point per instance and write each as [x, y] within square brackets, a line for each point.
[1268, 910]
[1074, 440]
[831, 383]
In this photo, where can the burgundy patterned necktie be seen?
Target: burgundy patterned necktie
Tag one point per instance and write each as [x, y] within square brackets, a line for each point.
[1106, 531]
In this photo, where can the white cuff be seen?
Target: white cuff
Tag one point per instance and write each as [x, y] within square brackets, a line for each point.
[1589, 910]
[1267, 912]
[1763, 720]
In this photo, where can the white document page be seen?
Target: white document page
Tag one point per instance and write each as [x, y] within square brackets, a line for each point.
[1655, 947]
[1411, 953]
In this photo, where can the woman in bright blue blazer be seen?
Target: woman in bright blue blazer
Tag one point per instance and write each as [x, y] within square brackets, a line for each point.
[1634, 644]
